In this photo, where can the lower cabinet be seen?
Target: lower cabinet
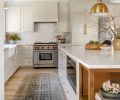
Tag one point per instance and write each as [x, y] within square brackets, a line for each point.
[27, 56]
[11, 64]
[6, 65]
[62, 74]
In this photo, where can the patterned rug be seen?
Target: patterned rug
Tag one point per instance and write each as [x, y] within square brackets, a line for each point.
[43, 86]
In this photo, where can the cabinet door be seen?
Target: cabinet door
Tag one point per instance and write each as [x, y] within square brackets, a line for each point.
[112, 10]
[27, 56]
[27, 62]
[13, 19]
[6, 65]
[12, 63]
[27, 51]
[78, 22]
[45, 11]
[18, 56]
[26, 18]
[63, 18]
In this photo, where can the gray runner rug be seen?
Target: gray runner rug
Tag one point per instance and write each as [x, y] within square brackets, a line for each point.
[42, 86]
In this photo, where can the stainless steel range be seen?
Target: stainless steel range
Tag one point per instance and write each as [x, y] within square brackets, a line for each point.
[45, 54]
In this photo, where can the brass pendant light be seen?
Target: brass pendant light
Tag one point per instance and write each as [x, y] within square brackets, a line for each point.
[100, 9]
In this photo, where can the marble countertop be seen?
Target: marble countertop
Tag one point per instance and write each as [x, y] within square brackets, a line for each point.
[7, 46]
[93, 59]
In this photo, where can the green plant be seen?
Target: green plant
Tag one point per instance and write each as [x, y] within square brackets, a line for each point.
[14, 37]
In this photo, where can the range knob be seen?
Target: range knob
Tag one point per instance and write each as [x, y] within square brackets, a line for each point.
[37, 48]
[56, 47]
[42, 47]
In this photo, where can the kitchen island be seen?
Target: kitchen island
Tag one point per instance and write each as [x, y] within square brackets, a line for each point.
[93, 68]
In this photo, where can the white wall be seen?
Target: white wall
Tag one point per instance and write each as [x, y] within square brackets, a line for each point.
[2, 32]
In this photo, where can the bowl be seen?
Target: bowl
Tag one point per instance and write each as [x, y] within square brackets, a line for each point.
[109, 95]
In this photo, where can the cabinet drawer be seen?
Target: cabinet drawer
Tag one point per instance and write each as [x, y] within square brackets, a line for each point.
[27, 54]
[27, 48]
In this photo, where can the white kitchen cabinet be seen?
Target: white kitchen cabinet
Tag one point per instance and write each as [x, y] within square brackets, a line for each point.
[45, 12]
[11, 64]
[26, 18]
[63, 18]
[27, 62]
[79, 17]
[6, 65]
[13, 18]
[113, 8]
[18, 56]
[19, 18]
[27, 56]
[112, 11]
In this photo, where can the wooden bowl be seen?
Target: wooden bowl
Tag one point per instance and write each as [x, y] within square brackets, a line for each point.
[92, 46]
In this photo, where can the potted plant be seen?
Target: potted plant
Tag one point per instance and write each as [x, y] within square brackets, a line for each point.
[112, 28]
[12, 38]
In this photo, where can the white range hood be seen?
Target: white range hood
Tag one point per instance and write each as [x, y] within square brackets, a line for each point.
[115, 1]
[45, 12]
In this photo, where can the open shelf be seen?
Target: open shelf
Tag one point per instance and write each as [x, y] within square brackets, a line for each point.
[84, 97]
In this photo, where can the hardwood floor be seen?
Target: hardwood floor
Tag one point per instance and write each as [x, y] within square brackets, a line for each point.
[15, 81]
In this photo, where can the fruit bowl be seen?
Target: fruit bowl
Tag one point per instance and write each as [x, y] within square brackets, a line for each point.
[93, 45]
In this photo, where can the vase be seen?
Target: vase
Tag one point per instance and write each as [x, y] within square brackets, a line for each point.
[116, 44]
[12, 42]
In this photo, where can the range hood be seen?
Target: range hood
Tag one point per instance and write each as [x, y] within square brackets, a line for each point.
[45, 12]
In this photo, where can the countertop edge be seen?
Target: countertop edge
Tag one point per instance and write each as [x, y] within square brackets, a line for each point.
[90, 66]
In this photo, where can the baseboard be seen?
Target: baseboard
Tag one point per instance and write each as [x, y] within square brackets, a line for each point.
[26, 67]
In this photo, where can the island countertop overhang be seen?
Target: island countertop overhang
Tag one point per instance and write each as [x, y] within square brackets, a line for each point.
[93, 59]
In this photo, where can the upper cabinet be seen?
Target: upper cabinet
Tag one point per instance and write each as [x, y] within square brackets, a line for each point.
[26, 18]
[80, 16]
[19, 18]
[64, 17]
[114, 9]
[45, 12]
[13, 19]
